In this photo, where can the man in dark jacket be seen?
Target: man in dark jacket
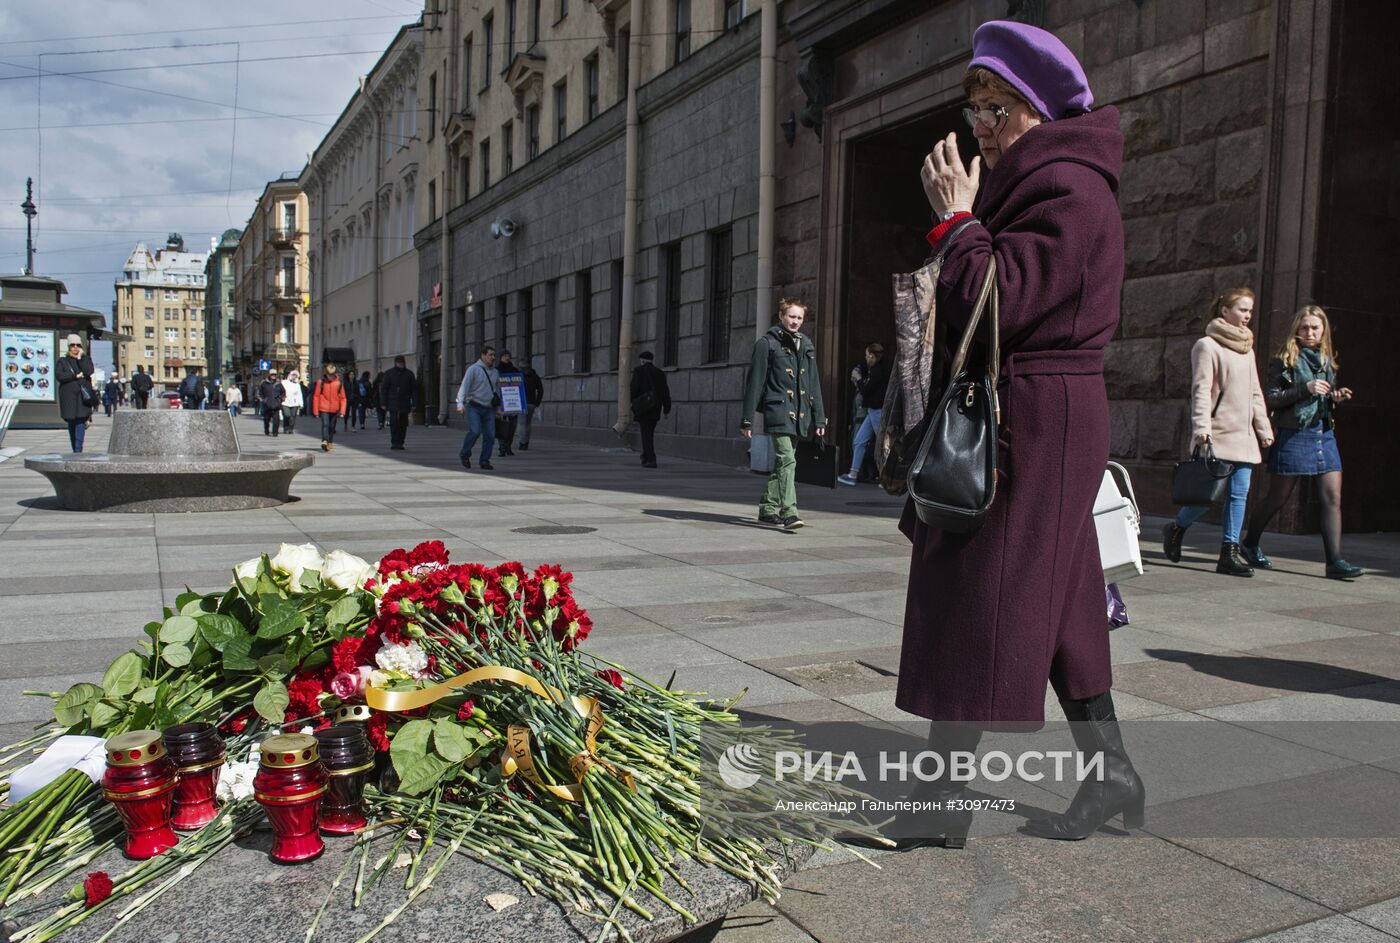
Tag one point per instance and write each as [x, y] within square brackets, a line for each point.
[783, 383]
[271, 393]
[870, 381]
[191, 390]
[141, 385]
[396, 393]
[651, 396]
[534, 396]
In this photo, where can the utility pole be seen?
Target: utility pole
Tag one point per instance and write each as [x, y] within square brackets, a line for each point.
[30, 211]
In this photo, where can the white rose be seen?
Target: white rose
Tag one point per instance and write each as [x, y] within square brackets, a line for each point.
[346, 571]
[236, 781]
[406, 659]
[378, 679]
[248, 569]
[295, 560]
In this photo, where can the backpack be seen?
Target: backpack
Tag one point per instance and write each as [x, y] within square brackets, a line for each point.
[189, 386]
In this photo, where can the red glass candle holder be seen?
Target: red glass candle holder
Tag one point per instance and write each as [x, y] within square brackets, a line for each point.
[140, 782]
[290, 785]
[349, 760]
[198, 752]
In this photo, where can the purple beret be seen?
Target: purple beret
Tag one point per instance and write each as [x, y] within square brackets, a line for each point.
[1036, 64]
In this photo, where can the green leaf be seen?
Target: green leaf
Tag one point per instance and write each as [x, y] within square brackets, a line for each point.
[271, 702]
[280, 618]
[146, 695]
[309, 581]
[238, 655]
[72, 707]
[275, 667]
[176, 656]
[178, 629]
[346, 609]
[450, 741]
[103, 714]
[153, 630]
[123, 675]
[418, 767]
[317, 659]
[185, 599]
[218, 630]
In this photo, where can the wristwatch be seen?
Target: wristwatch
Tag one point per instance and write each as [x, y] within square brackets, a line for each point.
[951, 213]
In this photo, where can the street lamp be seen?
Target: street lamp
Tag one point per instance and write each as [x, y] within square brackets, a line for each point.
[30, 211]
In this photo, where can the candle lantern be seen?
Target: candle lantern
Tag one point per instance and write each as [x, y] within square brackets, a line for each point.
[198, 752]
[290, 785]
[349, 760]
[140, 782]
[352, 714]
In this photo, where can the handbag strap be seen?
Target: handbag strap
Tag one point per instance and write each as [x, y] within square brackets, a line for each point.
[988, 293]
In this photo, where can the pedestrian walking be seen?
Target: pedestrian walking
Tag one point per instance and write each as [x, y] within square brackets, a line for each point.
[109, 397]
[305, 397]
[651, 398]
[534, 396]
[234, 399]
[292, 400]
[191, 390]
[76, 397]
[991, 615]
[270, 395]
[378, 396]
[506, 422]
[479, 397]
[1301, 390]
[397, 393]
[1228, 414]
[783, 383]
[360, 392]
[870, 383]
[141, 385]
[328, 400]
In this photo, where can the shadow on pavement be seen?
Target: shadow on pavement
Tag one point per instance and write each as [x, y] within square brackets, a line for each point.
[1280, 673]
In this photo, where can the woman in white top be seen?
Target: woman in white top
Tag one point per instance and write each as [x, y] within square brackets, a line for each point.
[233, 398]
[291, 400]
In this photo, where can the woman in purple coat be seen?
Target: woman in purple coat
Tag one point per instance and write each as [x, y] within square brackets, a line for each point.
[992, 616]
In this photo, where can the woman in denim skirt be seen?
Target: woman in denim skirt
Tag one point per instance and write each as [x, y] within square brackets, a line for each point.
[1302, 394]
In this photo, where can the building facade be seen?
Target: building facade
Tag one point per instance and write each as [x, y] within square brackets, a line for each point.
[1248, 162]
[160, 306]
[361, 185]
[218, 307]
[270, 322]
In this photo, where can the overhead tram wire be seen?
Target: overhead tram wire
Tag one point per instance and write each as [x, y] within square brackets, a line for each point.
[194, 29]
[80, 73]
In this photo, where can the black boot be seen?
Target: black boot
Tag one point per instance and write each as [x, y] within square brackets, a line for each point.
[1254, 556]
[1118, 792]
[1231, 563]
[1171, 541]
[916, 829]
[1342, 570]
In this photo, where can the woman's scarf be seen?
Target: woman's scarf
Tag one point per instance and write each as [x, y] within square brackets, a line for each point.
[1227, 335]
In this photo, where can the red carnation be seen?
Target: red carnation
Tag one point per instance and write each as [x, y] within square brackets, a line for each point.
[431, 551]
[305, 698]
[97, 887]
[611, 676]
[466, 710]
[378, 729]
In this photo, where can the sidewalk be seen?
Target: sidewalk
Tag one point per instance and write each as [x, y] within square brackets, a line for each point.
[678, 576]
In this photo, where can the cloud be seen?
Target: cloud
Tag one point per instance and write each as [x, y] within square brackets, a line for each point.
[159, 161]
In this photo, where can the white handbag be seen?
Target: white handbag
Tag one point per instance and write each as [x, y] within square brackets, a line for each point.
[1118, 523]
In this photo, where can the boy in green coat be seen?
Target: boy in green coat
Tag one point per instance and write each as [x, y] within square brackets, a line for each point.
[783, 384]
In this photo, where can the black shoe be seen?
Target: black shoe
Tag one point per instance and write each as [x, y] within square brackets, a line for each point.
[1255, 557]
[1171, 541]
[792, 522]
[1231, 563]
[396, 448]
[1342, 570]
[648, 464]
[487, 466]
[524, 446]
[1119, 792]
[466, 463]
[505, 452]
[766, 518]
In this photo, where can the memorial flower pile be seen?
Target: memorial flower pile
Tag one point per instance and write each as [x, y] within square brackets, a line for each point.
[499, 736]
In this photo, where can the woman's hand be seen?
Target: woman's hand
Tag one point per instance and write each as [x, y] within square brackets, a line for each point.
[949, 185]
[1319, 387]
[1265, 443]
[1201, 439]
[1342, 394]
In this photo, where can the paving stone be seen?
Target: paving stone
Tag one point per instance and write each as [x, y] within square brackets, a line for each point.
[1339, 873]
[1338, 929]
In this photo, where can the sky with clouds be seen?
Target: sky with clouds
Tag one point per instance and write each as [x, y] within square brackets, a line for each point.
[147, 139]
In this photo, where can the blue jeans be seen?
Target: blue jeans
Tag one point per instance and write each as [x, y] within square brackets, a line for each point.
[1233, 511]
[481, 421]
[864, 436]
[328, 426]
[77, 429]
[525, 424]
[233, 409]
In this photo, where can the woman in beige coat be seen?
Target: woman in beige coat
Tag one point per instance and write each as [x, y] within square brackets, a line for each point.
[1228, 412]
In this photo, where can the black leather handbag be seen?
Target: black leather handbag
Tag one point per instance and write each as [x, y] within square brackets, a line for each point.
[1203, 481]
[953, 477]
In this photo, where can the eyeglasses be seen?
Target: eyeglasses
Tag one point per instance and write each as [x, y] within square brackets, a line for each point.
[986, 117]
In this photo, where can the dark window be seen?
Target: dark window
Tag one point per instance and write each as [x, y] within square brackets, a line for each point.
[524, 339]
[721, 264]
[479, 325]
[583, 322]
[551, 327]
[467, 74]
[488, 33]
[498, 327]
[532, 132]
[615, 328]
[590, 70]
[671, 304]
[561, 112]
[682, 30]
[510, 29]
[624, 61]
[432, 105]
[563, 10]
[535, 23]
[507, 148]
[486, 164]
[465, 165]
[734, 11]
[432, 200]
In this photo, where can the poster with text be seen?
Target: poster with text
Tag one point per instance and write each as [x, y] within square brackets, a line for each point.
[513, 393]
[27, 365]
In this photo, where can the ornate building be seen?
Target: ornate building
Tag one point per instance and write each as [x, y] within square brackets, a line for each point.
[160, 306]
[270, 281]
[218, 306]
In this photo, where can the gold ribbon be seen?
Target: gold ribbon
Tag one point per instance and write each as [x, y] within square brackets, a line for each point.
[518, 756]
